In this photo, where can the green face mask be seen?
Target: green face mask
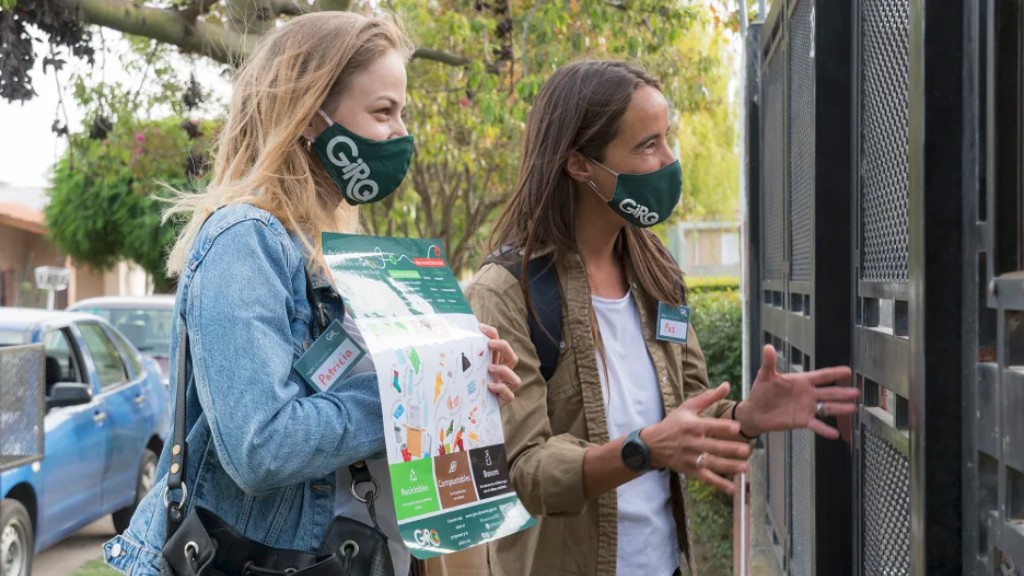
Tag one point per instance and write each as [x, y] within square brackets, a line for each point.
[644, 200]
[364, 170]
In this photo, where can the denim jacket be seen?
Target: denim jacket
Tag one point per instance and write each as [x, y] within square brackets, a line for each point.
[263, 447]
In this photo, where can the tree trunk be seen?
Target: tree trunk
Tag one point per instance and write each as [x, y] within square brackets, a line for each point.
[228, 44]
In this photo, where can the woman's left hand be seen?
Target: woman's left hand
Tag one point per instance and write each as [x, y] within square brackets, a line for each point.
[797, 400]
[504, 380]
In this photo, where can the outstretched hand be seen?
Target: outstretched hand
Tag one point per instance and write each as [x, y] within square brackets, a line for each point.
[798, 400]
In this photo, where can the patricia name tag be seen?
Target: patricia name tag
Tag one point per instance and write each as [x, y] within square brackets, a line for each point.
[329, 358]
[673, 323]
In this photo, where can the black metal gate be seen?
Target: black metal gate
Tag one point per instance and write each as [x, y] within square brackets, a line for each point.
[803, 289]
[881, 346]
[886, 227]
[993, 463]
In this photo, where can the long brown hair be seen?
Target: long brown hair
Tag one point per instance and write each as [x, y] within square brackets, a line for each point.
[296, 69]
[578, 110]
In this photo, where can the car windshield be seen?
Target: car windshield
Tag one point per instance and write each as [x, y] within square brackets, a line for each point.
[148, 330]
[12, 338]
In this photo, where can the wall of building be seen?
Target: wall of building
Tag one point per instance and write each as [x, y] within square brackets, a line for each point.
[20, 253]
[706, 248]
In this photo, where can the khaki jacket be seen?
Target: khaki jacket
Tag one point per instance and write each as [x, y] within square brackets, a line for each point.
[551, 424]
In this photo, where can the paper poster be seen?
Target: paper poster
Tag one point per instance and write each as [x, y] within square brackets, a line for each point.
[445, 446]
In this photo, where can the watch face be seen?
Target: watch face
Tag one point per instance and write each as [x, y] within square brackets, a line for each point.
[633, 456]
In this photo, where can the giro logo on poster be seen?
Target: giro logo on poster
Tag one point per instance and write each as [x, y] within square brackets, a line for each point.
[360, 187]
[427, 537]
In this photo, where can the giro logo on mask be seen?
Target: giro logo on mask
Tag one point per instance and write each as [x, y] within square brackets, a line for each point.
[642, 213]
[354, 171]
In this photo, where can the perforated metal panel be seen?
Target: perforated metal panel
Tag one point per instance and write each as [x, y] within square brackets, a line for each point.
[22, 372]
[774, 165]
[778, 483]
[884, 84]
[886, 508]
[802, 502]
[801, 140]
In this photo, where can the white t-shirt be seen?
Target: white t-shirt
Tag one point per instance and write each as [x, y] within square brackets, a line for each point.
[346, 505]
[647, 530]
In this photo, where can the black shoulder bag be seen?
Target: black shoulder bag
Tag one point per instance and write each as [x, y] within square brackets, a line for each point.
[201, 544]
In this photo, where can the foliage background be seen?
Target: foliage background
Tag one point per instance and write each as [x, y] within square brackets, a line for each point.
[467, 117]
[717, 316]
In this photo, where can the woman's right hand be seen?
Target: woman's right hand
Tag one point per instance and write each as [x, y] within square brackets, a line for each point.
[700, 447]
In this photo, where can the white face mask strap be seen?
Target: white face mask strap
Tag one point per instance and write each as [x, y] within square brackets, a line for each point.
[325, 117]
[609, 170]
[596, 191]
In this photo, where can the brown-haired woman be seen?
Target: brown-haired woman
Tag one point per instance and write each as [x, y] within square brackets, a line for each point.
[598, 450]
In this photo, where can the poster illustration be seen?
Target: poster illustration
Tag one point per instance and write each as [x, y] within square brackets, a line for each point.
[445, 446]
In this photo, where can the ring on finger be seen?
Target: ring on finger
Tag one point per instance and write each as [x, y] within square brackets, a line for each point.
[700, 460]
[819, 410]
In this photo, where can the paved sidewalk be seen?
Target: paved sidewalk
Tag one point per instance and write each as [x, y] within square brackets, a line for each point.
[763, 561]
[68, 556]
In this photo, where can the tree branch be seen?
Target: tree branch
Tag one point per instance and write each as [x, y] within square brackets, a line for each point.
[181, 29]
[332, 5]
[251, 17]
[168, 26]
[292, 8]
[439, 56]
[197, 8]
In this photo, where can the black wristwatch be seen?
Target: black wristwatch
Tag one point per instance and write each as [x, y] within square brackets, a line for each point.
[635, 454]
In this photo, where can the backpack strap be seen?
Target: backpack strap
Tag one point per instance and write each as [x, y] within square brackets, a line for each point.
[545, 321]
[545, 295]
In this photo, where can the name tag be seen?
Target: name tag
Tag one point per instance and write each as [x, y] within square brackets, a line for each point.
[329, 358]
[673, 323]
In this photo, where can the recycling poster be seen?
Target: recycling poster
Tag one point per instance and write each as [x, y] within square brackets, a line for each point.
[445, 446]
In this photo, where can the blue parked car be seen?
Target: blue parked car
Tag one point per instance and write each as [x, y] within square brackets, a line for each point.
[104, 428]
[145, 321]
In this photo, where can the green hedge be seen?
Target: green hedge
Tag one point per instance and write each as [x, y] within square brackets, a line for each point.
[702, 284]
[717, 318]
[710, 513]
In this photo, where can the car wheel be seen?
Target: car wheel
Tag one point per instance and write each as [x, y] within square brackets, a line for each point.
[15, 539]
[147, 475]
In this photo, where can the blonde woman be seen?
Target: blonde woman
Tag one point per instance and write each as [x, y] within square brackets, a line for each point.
[262, 463]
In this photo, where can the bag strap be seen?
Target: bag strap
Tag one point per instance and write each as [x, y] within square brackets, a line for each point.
[546, 298]
[179, 448]
[175, 509]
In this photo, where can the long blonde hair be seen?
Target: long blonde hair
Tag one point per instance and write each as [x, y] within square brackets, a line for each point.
[295, 70]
